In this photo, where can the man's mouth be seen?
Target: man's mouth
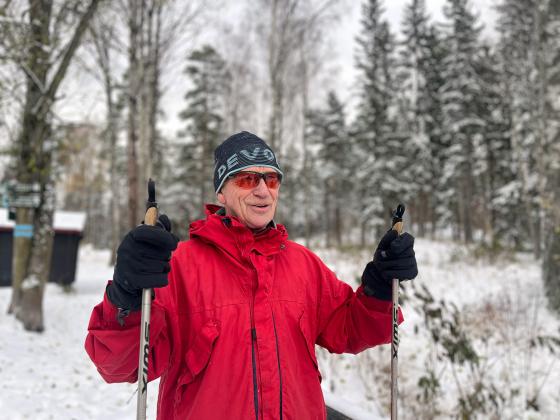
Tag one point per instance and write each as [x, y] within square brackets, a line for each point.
[260, 206]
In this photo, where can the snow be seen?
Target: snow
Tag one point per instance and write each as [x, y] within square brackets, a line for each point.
[502, 301]
[49, 375]
[63, 220]
[69, 220]
[4, 221]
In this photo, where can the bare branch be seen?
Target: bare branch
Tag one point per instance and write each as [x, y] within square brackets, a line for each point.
[72, 46]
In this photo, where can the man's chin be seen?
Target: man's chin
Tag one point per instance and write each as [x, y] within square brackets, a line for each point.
[259, 225]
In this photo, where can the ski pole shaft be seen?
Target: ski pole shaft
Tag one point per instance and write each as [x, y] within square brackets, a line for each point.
[397, 226]
[144, 353]
[395, 350]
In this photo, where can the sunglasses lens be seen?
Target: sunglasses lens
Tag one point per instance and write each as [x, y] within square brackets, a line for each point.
[272, 180]
[250, 180]
[247, 180]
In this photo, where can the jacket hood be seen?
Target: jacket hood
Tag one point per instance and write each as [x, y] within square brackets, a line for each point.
[229, 234]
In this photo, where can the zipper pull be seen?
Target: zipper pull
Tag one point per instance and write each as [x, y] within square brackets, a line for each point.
[254, 334]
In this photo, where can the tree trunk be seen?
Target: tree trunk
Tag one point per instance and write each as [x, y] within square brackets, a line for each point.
[327, 214]
[551, 259]
[307, 200]
[102, 37]
[26, 285]
[32, 254]
[338, 225]
[154, 91]
[114, 176]
[133, 110]
[468, 188]
[144, 75]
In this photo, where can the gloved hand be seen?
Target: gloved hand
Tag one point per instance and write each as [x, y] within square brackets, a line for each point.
[393, 259]
[142, 263]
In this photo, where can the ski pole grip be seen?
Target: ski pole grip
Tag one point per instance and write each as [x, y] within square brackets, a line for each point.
[398, 227]
[151, 216]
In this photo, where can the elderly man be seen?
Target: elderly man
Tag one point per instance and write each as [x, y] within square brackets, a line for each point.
[238, 307]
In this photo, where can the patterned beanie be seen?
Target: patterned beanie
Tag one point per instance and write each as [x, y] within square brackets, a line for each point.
[241, 151]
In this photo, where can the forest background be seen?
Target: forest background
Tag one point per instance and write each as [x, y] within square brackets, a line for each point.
[451, 109]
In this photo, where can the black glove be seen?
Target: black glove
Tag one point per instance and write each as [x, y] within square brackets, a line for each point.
[142, 263]
[393, 259]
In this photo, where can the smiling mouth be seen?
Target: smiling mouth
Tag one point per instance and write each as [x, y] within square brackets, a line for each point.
[260, 206]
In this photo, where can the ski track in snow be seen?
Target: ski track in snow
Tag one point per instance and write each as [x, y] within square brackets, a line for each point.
[49, 375]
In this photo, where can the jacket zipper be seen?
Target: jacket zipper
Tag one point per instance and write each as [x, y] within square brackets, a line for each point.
[253, 355]
[278, 357]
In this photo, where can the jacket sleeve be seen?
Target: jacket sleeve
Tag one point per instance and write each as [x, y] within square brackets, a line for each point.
[348, 321]
[114, 348]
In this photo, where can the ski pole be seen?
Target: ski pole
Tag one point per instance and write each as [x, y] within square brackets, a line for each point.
[149, 219]
[397, 224]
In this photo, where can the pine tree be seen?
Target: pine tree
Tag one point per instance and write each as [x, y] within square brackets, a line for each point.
[550, 83]
[328, 132]
[463, 126]
[434, 122]
[416, 58]
[378, 172]
[493, 166]
[517, 28]
[204, 127]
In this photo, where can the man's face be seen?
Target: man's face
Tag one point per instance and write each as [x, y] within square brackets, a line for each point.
[254, 207]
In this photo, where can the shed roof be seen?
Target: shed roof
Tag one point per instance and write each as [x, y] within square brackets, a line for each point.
[63, 220]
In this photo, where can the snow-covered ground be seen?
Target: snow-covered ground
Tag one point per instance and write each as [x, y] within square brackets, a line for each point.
[49, 376]
[503, 309]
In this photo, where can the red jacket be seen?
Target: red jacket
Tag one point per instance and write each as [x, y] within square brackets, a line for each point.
[234, 332]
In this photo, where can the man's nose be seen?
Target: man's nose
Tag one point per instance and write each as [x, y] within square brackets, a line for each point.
[261, 189]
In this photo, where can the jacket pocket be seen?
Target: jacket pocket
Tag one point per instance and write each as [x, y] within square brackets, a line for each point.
[309, 344]
[197, 356]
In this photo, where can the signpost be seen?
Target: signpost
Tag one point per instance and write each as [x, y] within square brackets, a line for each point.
[16, 195]
[4, 202]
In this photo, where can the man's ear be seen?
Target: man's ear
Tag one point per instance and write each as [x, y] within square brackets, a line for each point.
[221, 198]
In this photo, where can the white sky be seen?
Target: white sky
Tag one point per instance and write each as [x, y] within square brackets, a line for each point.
[84, 100]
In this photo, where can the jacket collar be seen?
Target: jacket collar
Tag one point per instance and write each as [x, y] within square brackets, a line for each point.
[229, 234]
[221, 211]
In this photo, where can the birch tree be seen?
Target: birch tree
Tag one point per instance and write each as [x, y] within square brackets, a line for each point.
[154, 28]
[104, 37]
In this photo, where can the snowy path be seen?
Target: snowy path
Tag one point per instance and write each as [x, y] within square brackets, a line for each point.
[50, 376]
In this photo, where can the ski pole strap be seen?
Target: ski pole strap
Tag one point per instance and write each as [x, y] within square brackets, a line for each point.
[151, 197]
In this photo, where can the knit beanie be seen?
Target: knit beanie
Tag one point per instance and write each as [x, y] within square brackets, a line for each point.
[241, 151]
